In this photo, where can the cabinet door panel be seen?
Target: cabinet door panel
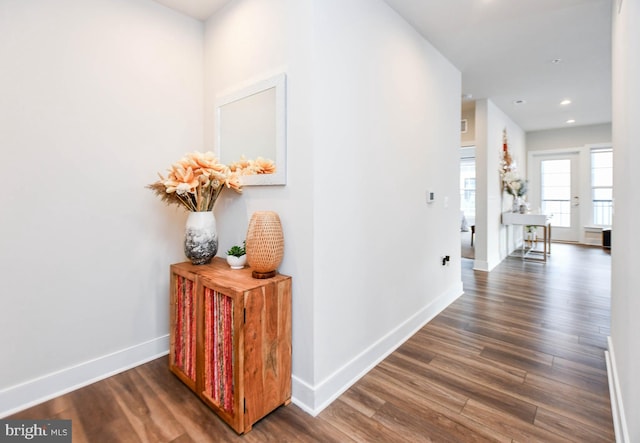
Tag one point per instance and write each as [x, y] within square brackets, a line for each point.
[219, 349]
[183, 321]
[267, 349]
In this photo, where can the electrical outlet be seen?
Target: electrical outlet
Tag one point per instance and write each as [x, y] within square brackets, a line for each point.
[431, 196]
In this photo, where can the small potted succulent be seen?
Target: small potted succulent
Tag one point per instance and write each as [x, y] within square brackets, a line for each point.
[236, 256]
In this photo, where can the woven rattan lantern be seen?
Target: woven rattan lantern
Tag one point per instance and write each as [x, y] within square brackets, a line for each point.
[265, 244]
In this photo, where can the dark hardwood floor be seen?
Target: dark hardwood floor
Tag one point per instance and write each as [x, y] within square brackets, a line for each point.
[518, 358]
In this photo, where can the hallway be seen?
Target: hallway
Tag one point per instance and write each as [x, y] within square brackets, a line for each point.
[518, 357]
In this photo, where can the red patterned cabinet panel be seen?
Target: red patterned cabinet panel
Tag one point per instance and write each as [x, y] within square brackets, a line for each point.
[182, 353]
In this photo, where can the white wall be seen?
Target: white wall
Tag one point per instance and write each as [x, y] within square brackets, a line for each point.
[387, 114]
[373, 122]
[493, 240]
[97, 96]
[625, 303]
[570, 137]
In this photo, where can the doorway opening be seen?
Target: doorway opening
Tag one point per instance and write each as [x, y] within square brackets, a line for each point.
[467, 201]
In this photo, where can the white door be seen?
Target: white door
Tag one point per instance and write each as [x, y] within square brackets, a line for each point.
[554, 185]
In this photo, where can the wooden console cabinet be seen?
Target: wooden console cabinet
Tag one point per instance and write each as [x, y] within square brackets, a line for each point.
[231, 339]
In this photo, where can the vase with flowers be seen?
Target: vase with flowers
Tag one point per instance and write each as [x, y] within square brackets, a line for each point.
[196, 182]
[511, 180]
[517, 188]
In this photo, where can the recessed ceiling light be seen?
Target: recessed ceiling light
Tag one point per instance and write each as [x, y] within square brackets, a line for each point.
[565, 102]
[571, 121]
[519, 102]
[555, 61]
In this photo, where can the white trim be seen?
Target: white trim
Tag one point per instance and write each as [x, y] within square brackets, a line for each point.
[592, 235]
[467, 153]
[302, 395]
[25, 395]
[617, 407]
[481, 265]
[553, 152]
[595, 147]
[313, 399]
[484, 265]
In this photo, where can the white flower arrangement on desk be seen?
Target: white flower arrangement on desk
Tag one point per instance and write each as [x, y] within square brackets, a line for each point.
[511, 180]
[514, 185]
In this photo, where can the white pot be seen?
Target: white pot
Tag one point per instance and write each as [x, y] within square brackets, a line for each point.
[236, 262]
[201, 237]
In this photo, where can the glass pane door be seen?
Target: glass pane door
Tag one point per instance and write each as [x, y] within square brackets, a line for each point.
[554, 183]
[556, 191]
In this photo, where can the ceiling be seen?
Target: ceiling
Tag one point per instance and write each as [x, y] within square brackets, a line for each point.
[200, 9]
[525, 55]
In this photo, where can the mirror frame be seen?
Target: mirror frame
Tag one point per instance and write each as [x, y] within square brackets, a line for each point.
[279, 83]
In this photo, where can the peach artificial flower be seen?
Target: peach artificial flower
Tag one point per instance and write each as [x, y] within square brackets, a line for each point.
[233, 182]
[264, 166]
[196, 180]
[241, 165]
[181, 180]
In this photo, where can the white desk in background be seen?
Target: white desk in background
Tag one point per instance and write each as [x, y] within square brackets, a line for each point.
[541, 220]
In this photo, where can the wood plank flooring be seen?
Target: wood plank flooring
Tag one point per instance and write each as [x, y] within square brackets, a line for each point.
[518, 358]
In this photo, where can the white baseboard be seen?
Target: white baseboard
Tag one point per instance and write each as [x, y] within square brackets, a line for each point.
[313, 399]
[303, 395]
[617, 409]
[25, 395]
[483, 265]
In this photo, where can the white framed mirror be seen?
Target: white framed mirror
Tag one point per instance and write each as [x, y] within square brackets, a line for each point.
[251, 122]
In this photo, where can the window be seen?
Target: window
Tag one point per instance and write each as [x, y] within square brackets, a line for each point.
[602, 186]
[556, 191]
[468, 187]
